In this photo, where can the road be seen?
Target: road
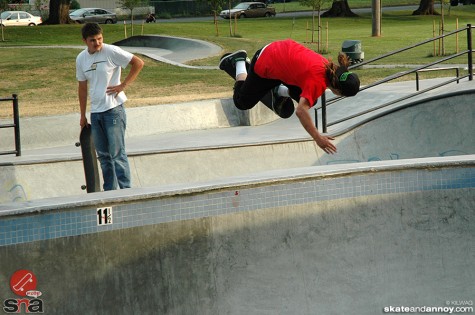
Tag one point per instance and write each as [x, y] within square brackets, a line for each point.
[279, 15]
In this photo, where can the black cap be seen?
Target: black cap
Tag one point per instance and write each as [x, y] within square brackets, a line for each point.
[349, 82]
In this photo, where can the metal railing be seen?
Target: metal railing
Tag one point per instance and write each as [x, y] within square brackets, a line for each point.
[457, 73]
[15, 125]
[468, 52]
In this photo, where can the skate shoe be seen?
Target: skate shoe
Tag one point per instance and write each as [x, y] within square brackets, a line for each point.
[228, 62]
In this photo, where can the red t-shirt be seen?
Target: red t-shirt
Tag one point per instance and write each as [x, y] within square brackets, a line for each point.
[294, 64]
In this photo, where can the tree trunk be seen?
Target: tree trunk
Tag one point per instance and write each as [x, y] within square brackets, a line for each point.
[340, 8]
[59, 12]
[426, 7]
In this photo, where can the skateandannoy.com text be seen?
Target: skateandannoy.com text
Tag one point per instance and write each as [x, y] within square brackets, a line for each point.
[449, 309]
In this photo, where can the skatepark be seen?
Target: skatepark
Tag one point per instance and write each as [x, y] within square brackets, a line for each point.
[240, 213]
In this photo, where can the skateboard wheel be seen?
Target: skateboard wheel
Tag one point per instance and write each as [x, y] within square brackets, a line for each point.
[78, 144]
[83, 187]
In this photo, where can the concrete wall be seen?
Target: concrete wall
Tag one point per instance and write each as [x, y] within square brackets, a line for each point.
[338, 241]
[441, 127]
[51, 131]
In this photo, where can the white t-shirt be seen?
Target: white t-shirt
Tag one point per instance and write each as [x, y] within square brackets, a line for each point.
[102, 69]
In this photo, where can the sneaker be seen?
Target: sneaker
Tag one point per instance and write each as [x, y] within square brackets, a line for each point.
[282, 105]
[228, 62]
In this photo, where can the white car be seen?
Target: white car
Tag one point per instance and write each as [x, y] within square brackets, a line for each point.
[19, 18]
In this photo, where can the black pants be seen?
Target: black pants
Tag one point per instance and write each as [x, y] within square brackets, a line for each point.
[249, 92]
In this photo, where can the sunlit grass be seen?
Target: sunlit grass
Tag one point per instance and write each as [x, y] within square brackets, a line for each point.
[44, 78]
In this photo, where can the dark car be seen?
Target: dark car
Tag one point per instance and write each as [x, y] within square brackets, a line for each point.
[93, 15]
[248, 9]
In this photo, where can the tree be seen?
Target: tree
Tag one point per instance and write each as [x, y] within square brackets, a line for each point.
[316, 5]
[426, 7]
[3, 5]
[130, 5]
[340, 8]
[58, 12]
[74, 5]
[40, 6]
[216, 7]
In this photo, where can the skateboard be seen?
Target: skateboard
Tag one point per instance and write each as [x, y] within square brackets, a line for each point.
[89, 160]
[284, 109]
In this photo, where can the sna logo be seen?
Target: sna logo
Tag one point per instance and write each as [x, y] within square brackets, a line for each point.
[23, 283]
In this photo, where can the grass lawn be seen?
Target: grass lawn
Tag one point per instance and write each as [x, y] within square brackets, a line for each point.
[44, 78]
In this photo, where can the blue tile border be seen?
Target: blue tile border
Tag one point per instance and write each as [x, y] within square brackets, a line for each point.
[69, 222]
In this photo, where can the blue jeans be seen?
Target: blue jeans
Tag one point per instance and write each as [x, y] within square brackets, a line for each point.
[108, 132]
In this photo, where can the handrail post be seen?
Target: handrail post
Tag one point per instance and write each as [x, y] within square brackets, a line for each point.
[16, 121]
[469, 54]
[417, 80]
[324, 113]
[316, 117]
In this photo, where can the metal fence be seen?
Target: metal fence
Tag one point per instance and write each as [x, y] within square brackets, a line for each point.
[468, 52]
[15, 125]
[184, 8]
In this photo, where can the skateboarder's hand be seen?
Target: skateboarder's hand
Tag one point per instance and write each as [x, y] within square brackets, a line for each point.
[322, 141]
[325, 144]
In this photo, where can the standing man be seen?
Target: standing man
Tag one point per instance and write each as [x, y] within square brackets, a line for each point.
[98, 71]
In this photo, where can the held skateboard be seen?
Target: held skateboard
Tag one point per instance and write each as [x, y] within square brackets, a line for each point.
[89, 160]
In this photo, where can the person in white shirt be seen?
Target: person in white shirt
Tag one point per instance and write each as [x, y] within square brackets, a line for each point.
[98, 71]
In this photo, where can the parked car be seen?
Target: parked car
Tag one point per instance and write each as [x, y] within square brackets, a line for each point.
[248, 9]
[19, 18]
[93, 15]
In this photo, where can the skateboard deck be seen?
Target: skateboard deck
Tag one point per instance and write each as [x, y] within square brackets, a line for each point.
[89, 160]
[284, 111]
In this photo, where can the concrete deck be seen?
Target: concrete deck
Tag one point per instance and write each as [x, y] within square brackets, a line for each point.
[208, 140]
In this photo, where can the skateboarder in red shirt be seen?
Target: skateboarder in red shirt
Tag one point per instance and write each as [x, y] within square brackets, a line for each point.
[292, 71]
